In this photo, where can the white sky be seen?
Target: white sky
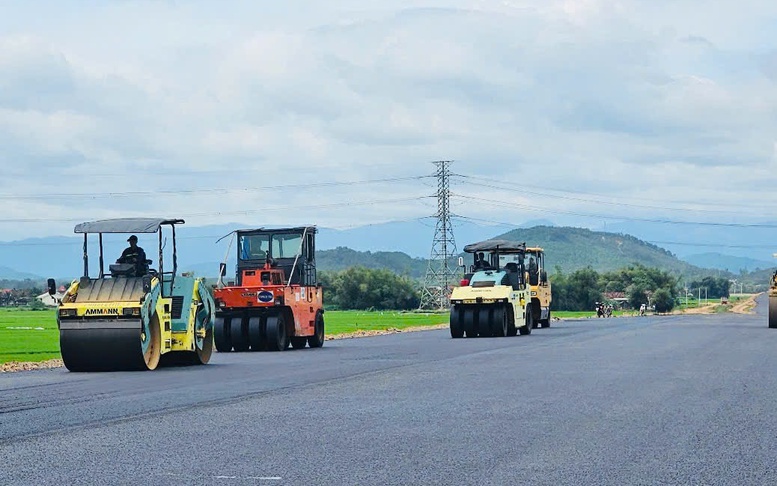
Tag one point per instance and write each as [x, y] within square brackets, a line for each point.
[203, 110]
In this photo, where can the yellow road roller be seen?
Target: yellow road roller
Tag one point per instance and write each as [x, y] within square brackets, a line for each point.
[134, 316]
[493, 299]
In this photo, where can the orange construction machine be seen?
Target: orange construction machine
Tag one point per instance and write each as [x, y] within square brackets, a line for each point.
[276, 299]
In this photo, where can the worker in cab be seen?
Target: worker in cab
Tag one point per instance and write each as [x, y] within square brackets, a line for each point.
[480, 262]
[134, 255]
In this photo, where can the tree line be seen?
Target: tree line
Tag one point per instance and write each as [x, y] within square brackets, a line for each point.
[364, 288]
[581, 289]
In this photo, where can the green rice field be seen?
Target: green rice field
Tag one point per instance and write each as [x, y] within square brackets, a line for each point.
[28, 335]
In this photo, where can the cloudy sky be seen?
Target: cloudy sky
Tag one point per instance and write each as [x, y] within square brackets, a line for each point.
[576, 111]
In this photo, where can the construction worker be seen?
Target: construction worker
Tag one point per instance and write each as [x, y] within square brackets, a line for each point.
[480, 262]
[135, 255]
[534, 275]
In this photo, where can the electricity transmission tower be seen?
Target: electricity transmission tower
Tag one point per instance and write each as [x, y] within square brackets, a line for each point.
[436, 292]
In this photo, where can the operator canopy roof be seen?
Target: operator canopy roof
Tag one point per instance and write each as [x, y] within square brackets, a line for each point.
[296, 229]
[125, 225]
[263, 230]
[502, 246]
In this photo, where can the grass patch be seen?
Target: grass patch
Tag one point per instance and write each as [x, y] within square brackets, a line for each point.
[27, 335]
[340, 322]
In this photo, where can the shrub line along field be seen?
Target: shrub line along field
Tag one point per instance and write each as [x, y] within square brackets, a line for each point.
[30, 336]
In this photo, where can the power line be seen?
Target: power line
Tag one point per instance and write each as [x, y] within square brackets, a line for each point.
[237, 212]
[93, 195]
[711, 245]
[522, 187]
[617, 218]
[609, 203]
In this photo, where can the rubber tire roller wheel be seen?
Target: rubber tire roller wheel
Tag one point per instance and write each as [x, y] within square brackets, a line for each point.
[484, 321]
[456, 324]
[498, 320]
[256, 338]
[546, 322]
[317, 339]
[221, 335]
[525, 330]
[277, 337]
[773, 312]
[239, 334]
[469, 322]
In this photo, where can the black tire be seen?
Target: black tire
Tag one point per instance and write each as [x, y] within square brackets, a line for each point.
[546, 322]
[256, 337]
[483, 322]
[298, 342]
[498, 318]
[239, 334]
[457, 330]
[277, 337]
[470, 324]
[536, 311]
[525, 330]
[773, 312]
[317, 339]
[221, 335]
[511, 329]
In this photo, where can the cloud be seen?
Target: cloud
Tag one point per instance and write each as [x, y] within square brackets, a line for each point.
[572, 94]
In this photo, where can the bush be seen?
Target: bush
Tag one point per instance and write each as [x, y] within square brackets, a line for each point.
[663, 300]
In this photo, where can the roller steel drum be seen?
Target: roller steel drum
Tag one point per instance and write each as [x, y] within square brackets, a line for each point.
[109, 345]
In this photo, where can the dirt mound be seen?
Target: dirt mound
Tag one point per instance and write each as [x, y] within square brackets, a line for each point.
[17, 366]
[745, 306]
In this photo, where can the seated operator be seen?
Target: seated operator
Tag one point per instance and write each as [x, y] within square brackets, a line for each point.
[480, 262]
[533, 271]
[135, 255]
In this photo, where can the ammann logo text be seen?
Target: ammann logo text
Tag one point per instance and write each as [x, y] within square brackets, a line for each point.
[101, 312]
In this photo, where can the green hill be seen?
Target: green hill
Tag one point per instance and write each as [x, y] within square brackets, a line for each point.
[575, 248]
[341, 258]
[568, 248]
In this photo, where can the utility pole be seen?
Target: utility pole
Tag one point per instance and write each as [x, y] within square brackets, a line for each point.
[436, 293]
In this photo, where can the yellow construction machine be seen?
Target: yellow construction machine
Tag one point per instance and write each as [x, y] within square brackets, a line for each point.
[493, 299]
[133, 317]
[539, 286]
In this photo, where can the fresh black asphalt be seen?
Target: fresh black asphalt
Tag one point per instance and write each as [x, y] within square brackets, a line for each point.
[642, 400]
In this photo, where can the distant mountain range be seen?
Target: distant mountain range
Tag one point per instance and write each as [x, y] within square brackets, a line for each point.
[729, 263]
[401, 246]
[11, 274]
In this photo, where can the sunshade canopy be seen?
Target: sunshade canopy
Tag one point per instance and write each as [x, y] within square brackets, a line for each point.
[297, 229]
[125, 225]
[502, 246]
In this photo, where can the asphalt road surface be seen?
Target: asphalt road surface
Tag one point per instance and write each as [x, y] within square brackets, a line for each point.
[650, 400]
